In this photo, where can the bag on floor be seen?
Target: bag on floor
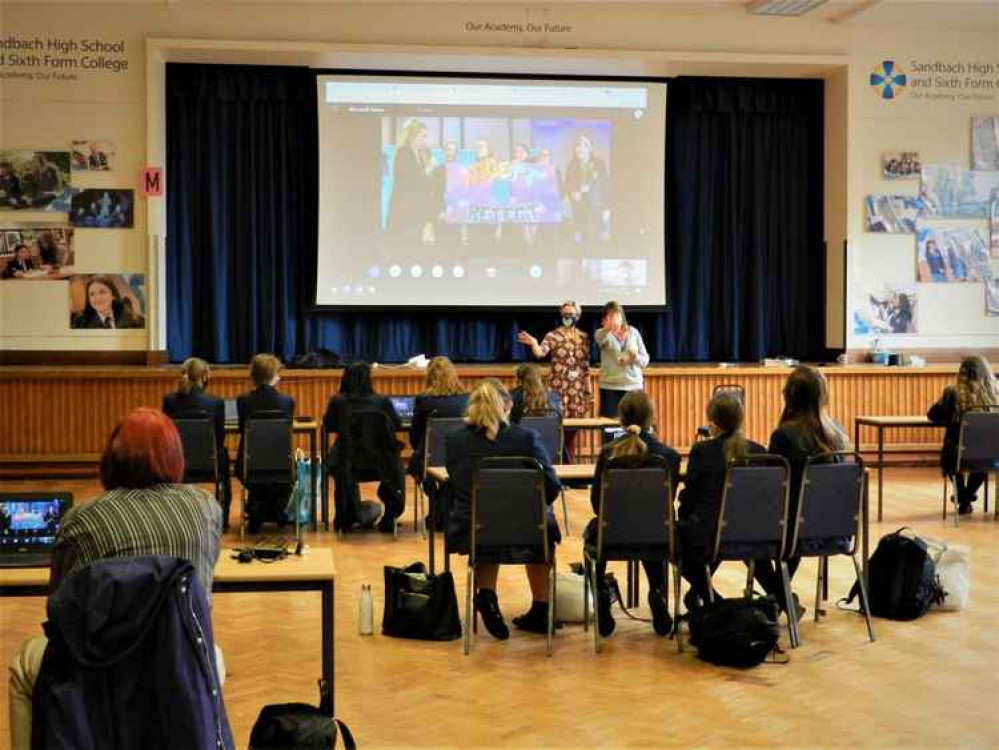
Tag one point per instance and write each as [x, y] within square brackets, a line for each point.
[735, 632]
[901, 578]
[305, 492]
[420, 605]
[569, 589]
[953, 567]
[298, 726]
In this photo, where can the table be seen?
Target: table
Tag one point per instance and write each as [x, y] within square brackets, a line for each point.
[589, 423]
[304, 427]
[565, 472]
[881, 424]
[314, 571]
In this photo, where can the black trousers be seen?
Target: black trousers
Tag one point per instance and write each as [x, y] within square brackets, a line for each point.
[768, 576]
[653, 572]
[968, 487]
[609, 401]
[267, 503]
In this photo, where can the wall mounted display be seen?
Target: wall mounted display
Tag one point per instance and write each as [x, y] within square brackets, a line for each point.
[992, 298]
[34, 181]
[36, 252]
[985, 143]
[891, 311]
[894, 214]
[951, 191]
[92, 156]
[103, 209]
[994, 228]
[951, 254]
[900, 165]
[107, 301]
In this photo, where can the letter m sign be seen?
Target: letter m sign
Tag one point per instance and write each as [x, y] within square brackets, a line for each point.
[152, 182]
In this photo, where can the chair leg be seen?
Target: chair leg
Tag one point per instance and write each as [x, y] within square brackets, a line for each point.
[586, 593]
[565, 513]
[863, 598]
[945, 481]
[750, 573]
[242, 513]
[711, 589]
[469, 581]
[987, 477]
[677, 631]
[818, 589]
[957, 501]
[551, 605]
[597, 643]
[430, 546]
[789, 609]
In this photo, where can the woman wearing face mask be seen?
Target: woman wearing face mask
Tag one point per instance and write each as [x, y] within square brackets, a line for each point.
[622, 357]
[569, 377]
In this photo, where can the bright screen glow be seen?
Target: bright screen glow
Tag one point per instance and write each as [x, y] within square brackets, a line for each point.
[445, 192]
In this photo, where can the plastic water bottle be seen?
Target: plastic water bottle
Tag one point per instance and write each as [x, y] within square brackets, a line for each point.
[366, 612]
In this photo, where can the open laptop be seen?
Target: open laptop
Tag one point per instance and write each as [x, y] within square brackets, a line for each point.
[231, 413]
[29, 522]
[611, 433]
[404, 406]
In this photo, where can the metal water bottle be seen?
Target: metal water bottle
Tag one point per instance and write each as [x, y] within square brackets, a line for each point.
[366, 612]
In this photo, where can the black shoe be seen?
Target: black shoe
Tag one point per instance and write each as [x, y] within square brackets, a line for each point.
[487, 605]
[253, 524]
[534, 620]
[386, 525]
[799, 608]
[965, 507]
[662, 623]
[692, 601]
[606, 617]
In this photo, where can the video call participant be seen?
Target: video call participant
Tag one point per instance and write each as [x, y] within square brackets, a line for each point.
[21, 264]
[105, 307]
[191, 399]
[412, 206]
[586, 187]
[569, 376]
[622, 357]
[265, 502]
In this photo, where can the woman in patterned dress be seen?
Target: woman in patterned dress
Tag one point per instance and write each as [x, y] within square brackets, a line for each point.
[569, 377]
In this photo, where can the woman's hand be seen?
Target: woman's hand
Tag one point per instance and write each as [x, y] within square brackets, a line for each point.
[525, 338]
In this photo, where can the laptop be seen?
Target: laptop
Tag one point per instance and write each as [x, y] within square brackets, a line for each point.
[29, 522]
[404, 406]
[231, 413]
[611, 433]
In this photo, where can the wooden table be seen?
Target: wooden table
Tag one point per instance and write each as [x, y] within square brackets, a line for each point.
[881, 424]
[314, 571]
[301, 427]
[589, 423]
[577, 472]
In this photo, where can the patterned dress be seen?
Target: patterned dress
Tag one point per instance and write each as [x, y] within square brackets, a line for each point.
[570, 371]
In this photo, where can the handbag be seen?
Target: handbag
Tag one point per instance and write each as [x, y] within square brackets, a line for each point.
[420, 605]
[953, 567]
[304, 496]
[569, 589]
[297, 726]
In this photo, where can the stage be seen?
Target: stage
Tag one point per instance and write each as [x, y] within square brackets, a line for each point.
[63, 415]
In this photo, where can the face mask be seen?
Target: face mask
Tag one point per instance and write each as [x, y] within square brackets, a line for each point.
[568, 320]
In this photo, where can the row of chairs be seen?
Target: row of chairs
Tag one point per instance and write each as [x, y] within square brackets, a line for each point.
[636, 515]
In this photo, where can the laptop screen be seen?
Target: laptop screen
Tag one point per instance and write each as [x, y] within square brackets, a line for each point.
[612, 433]
[231, 413]
[31, 520]
[403, 406]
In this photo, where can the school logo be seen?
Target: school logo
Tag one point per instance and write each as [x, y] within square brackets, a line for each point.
[888, 80]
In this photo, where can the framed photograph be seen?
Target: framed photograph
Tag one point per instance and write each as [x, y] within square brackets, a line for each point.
[951, 254]
[994, 227]
[893, 310]
[950, 191]
[107, 301]
[894, 214]
[34, 181]
[92, 156]
[37, 252]
[900, 165]
[992, 298]
[985, 143]
[103, 209]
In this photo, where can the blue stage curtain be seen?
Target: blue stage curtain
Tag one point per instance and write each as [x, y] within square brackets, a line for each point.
[744, 229]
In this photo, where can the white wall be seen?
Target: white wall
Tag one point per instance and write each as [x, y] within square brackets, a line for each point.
[607, 39]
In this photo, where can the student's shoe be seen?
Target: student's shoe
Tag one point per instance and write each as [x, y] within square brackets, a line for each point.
[692, 601]
[606, 618]
[386, 525]
[487, 605]
[799, 608]
[534, 620]
[662, 623]
[965, 508]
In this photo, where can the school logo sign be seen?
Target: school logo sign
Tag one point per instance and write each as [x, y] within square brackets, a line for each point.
[888, 80]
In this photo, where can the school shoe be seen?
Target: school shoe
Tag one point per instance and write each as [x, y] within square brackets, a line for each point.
[606, 617]
[487, 605]
[534, 620]
[662, 623]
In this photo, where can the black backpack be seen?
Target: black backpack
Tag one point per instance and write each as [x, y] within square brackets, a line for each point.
[901, 578]
[297, 726]
[735, 632]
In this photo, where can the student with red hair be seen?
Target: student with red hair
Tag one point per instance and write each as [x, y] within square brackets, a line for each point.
[144, 510]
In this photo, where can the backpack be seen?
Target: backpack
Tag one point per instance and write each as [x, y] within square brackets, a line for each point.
[297, 726]
[735, 632]
[901, 578]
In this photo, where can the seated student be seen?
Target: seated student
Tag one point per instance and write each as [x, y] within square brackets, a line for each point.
[976, 386]
[20, 264]
[443, 397]
[191, 399]
[357, 393]
[266, 502]
[700, 499]
[488, 433]
[144, 510]
[531, 397]
[804, 431]
[636, 412]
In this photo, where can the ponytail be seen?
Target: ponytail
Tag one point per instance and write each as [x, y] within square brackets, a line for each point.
[630, 443]
[726, 412]
[486, 409]
[535, 393]
[194, 373]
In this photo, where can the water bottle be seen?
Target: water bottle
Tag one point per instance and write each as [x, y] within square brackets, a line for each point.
[366, 612]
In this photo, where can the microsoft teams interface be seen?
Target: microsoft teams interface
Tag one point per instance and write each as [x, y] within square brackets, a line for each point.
[443, 192]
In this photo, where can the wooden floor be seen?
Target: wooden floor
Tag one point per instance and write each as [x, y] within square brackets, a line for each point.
[928, 683]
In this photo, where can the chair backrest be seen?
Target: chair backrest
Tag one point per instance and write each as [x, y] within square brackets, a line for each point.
[197, 438]
[979, 443]
[368, 436]
[830, 504]
[268, 452]
[434, 444]
[549, 428]
[636, 506]
[752, 518]
[508, 506]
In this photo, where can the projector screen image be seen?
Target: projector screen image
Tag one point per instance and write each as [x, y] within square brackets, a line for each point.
[444, 192]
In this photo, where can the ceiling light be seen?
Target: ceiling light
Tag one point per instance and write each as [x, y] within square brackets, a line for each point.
[783, 7]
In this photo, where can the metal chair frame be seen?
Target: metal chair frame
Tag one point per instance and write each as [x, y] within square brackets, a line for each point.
[429, 459]
[556, 458]
[795, 528]
[607, 486]
[951, 479]
[269, 417]
[200, 420]
[500, 464]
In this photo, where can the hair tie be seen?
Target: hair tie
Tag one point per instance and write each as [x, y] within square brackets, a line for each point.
[634, 429]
